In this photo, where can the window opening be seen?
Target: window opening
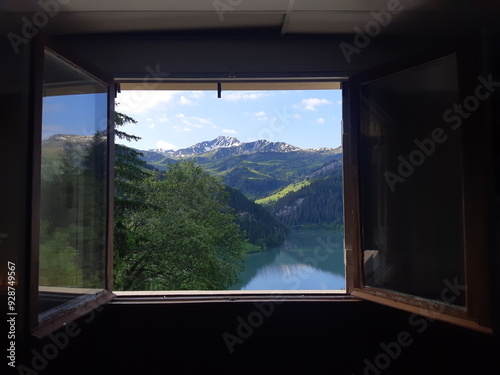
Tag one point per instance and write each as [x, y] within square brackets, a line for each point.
[278, 157]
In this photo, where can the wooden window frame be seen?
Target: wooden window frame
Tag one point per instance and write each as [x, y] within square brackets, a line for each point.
[81, 304]
[475, 317]
[477, 313]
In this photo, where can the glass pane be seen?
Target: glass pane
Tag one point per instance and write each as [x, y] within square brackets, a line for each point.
[73, 201]
[410, 181]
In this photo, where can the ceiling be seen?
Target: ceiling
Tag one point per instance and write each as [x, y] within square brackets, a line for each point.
[267, 17]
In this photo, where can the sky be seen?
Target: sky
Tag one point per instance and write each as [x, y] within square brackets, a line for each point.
[74, 114]
[172, 120]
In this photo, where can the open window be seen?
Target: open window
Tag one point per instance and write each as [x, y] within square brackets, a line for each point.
[275, 145]
[72, 196]
[414, 208]
[414, 231]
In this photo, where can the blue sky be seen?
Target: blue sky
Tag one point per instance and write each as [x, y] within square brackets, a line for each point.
[74, 114]
[179, 119]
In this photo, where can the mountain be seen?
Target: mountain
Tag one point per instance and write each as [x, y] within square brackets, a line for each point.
[259, 225]
[223, 146]
[200, 148]
[317, 203]
[62, 141]
[255, 168]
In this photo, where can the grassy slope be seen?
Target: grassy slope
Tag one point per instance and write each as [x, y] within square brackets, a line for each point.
[283, 192]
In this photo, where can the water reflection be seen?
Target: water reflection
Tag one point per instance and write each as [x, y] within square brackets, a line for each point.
[307, 260]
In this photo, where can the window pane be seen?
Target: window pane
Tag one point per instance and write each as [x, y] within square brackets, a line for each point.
[73, 201]
[410, 181]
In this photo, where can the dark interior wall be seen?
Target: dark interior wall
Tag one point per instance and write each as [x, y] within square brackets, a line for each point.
[15, 180]
[209, 57]
[292, 337]
[492, 58]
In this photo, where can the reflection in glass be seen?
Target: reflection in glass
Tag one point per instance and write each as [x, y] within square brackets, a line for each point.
[410, 181]
[73, 192]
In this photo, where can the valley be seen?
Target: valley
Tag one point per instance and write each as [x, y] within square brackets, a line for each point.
[274, 186]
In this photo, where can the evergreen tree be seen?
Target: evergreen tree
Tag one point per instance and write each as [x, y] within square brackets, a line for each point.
[185, 237]
[173, 231]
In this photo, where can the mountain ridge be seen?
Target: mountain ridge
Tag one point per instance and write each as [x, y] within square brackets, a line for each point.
[224, 146]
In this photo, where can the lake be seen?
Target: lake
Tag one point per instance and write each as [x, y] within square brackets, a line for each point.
[307, 260]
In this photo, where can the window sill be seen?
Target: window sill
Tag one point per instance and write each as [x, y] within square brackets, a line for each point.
[160, 297]
[70, 311]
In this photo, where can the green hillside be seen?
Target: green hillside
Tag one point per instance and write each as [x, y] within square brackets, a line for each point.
[282, 192]
[260, 227]
[316, 204]
[259, 174]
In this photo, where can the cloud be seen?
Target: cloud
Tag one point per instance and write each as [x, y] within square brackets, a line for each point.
[311, 103]
[235, 96]
[180, 128]
[197, 94]
[230, 131]
[339, 102]
[131, 102]
[261, 116]
[165, 145]
[190, 122]
[185, 101]
[320, 120]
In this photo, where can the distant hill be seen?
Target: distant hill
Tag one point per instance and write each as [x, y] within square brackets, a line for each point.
[260, 226]
[255, 168]
[317, 203]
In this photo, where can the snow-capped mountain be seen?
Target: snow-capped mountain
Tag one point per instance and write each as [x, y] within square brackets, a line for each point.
[223, 146]
[161, 151]
[200, 148]
[207, 146]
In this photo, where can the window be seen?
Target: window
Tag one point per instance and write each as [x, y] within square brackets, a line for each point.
[74, 187]
[413, 202]
[278, 152]
[409, 236]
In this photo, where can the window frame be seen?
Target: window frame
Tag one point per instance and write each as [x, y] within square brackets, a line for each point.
[80, 305]
[476, 315]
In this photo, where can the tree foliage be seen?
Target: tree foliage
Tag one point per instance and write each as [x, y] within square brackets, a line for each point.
[316, 204]
[185, 236]
[256, 222]
[175, 231]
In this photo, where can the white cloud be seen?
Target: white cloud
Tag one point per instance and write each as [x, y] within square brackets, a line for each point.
[185, 101]
[235, 96]
[131, 102]
[179, 128]
[311, 103]
[189, 122]
[320, 120]
[197, 94]
[165, 145]
[261, 116]
[339, 102]
[230, 131]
